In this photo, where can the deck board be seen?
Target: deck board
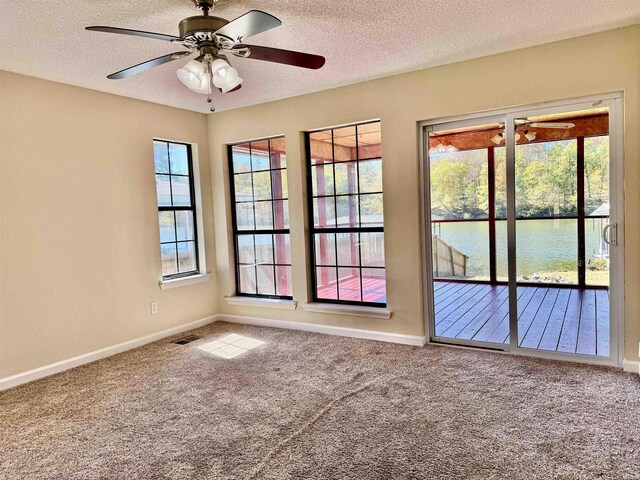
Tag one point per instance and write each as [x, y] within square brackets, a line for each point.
[551, 336]
[587, 325]
[501, 333]
[437, 286]
[532, 336]
[557, 319]
[453, 294]
[473, 311]
[525, 319]
[454, 310]
[373, 288]
[451, 314]
[449, 305]
[569, 336]
[497, 317]
[494, 306]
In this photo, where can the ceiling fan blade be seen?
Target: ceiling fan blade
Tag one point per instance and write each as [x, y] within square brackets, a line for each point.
[148, 65]
[564, 125]
[135, 33]
[249, 24]
[288, 57]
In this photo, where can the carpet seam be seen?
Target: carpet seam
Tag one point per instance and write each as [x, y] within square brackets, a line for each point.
[278, 448]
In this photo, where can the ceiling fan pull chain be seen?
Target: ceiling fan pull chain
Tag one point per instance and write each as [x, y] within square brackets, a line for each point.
[211, 87]
[210, 81]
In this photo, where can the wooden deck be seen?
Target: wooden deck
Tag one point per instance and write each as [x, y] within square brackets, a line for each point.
[558, 319]
[373, 289]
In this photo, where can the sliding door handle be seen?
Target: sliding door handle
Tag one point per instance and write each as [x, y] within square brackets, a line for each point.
[610, 234]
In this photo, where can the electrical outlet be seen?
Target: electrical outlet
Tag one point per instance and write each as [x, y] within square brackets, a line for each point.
[154, 308]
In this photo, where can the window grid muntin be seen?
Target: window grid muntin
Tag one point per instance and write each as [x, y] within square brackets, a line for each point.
[337, 264]
[237, 233]
[251, 172]
[316, 230]
[171, 208]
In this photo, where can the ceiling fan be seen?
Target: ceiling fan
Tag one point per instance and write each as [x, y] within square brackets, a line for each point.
[528, 123]
[523, 126]
[211, 37]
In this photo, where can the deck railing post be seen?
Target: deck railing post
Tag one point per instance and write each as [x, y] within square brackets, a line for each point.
[582, 258]
[491, 185]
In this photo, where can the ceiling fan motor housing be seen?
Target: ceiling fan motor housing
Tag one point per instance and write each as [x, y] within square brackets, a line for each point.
[201, 27]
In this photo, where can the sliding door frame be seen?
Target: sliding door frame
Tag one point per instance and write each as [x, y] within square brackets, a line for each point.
[429, 306]
[614, 102]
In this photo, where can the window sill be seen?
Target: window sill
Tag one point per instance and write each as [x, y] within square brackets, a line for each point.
[184, 281]
[354, 310]
[262, 302]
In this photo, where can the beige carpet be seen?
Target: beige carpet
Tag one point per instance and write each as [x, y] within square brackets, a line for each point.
[303, 406]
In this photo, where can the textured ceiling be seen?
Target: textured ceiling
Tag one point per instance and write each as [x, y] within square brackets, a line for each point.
[362, 39]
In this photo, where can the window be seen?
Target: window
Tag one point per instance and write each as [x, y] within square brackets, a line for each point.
[260, 210]
[346, 219]
[176, 209]
[459, 186]
[546, 179]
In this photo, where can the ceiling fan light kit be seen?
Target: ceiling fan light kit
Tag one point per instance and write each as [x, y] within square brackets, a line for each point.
[198, 76]
[211, 37]
[195, 77]
[225, 77]
[528, 134]
[497, 139]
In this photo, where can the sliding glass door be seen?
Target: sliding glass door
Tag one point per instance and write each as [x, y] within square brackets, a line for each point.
[467, 180]
[561, 185]
[520, 231]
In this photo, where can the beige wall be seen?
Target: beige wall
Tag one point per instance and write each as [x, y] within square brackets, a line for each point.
[79, 240]
[599, 63]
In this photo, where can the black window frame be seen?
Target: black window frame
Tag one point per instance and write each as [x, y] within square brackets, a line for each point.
[237, 232]
[313, 230]
[175, 208]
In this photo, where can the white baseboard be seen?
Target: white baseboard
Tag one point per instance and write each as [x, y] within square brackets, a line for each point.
[41, 372]
[31, 375]
[325, 329]
[631, 366]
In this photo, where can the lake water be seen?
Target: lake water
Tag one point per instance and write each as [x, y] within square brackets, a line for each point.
[541, 245]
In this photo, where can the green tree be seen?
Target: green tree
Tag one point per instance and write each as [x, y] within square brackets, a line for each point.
[596, 172]
[459, 184]
[546, 183]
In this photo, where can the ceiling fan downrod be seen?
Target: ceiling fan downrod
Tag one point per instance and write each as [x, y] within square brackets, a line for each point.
[205, 6]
